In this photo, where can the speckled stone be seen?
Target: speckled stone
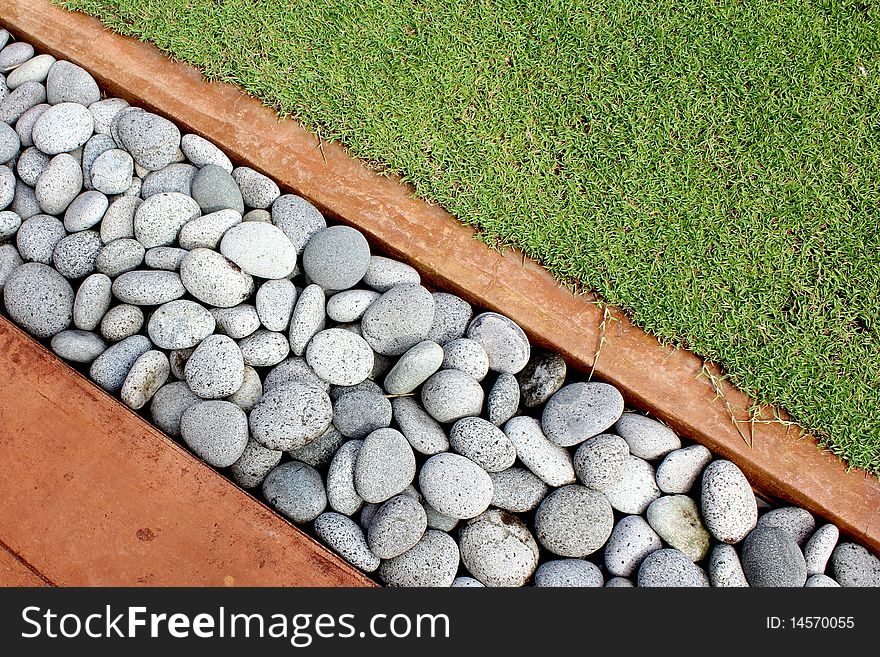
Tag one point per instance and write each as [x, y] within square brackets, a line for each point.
[467, 356]
[455, 486]
[200, 152]
[24, 128]
[31, 164]
[10, 260]
[275, 301]
[118, 221]
[452, 314]
[236, 322]
[308, 318]
[350, 305]
[105, 112]
[149, 373]
[568, 573]
[148, 288]
[38, 299]
[345, 538]
[250, 391]
[421, 430]
[384, 273]
[414, 367]
[169, 404]
[503, 400]
[770, 558]
[121, 322]
[216, 368]
[670, 568]
[433, 561]
[725, 569]
[450, 395]
[214, 279]
[178, 358]
[336, 258]
[728, 504]
[630, 542]
[580, 411]
[111, 172]
[503, 340]
[173, 178]
[676, 519]
[75, 255]
[551, 463]
[320, 451]
[295, 490]
[574, 521]
[498, 549]
[600, 461]
[258, 215]
[647, 438]
[63, 128]
[385, 466]
[120, 256]
[92, 302]
[158, 220]
[180, 324]
[24, 203]
[7, 187]
[619, 583]
[361, 412]
[68, 83]
[260, 249]
[255, 462]
[298, 218]
[78, 346]
[437, 520]
[517, 490]
[294, 369]
[818, 549]
[467, 582]
[152, 140]
[164, 257]
[483, 443]
[542, 376]
[799, 523]
[15, 54]
[290, 415]
[682, 468]
[853, 565]
[264, 348]
[28, 95]
[399, 319]
[59, 184]
[820, 581]
[340, 357]
[396, 527]
[10, 143]
[341, 491]
[35, 69]
[636, 488]
[257, 190]
[9, 224]
[110, 369]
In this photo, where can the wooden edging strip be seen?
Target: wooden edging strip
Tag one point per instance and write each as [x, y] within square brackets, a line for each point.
[668, 383]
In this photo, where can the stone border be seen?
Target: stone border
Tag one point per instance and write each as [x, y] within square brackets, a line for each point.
[663, 381]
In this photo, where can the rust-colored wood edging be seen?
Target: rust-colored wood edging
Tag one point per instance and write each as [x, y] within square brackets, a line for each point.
[663, 381]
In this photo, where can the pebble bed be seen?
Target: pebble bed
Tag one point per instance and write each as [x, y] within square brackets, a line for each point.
[424, 441]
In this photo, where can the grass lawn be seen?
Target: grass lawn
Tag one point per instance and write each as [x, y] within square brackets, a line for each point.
[711, 167]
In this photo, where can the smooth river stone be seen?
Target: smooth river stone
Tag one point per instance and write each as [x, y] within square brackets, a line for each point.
[384, 273]
[336, 258]
[580, 411]
[574, 521]
[149, 373]
[385, 466]
[399, 319]
[671, 568]
[450, 395]
[728, 504]
[551, 463]
[158, 220]
[630, 542]
[568, 573]
[63, 128]
[682, 468]
[498, 549]
[542, 376]
[452, 314]
[148, 288]
[414, 367]
[308, 318]
[517, 490]
[340, 357]
[78, 346]
[200, 152]
[110, 369]
[647, 438]
[298, 218]
[344, 537]
[433, 561]
[503, 340]
[152, 140]
[341, 492]
[455, 486]
[255, 462]
[274, 302]
[59, 184]
[290, 415]
[296, 490]
[467, 356]
[422, 431]
[636, 488]
[260, 249]
[214, 279]
[676, 519]
[180, 324]
[771, 558]
[92, 301]
[483, 443]
[600, 461]
[396, 527]
[39, 299]
[216, 368]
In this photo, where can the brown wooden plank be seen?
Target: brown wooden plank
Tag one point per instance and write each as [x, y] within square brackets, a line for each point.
[662, 381]
[91, 494]
[14, 572]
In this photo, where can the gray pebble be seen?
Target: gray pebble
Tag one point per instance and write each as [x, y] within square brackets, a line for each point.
[350, 305]
[517, 490]
[600, 461]
[264, 348]
[551, 463]
[24, 128]
[360, 413]
[111, 171]
[437, 520]
[619, 583]
[35, 69]
[682, 468]
[384, 273]
[118, 221]
[498, 549]
[450, 395]
[630, 542]
[257, 190]
[215, 280]
[503, 340]
[676, 519]
[467, 356]
[770, 558]
[75, 255]
[207, 231]
[85, 211]
[414, 367]
[483, 443]
[149, 373]
[799, 523]
[31, 165]
[120, 256]
[15, 54]
[178, 358]
[250, 391]
[28, 95]
[180, 324]
[636, 488]
[170, 403]
[92, 302]
[298, 218]
[152, 140]
[173, 178]
[274, 302]
[59, 184]
[110, 369]
[466, 582]
[421, 430]
[340, 357]
[121, 322]
[336, 258]
[647, 438]
[341, 491]
[820, 581]
[818, 549]
[24, 203]
[164, 257]
[258, 215]
[503, 400]
[433, 561]
[200, 152]
[105, 112]
[853, 565]
[345, 538]
[9, 143]
[237, 322]
[63, 128]
[452, 315]
[385, 466]
[7, 187]
[455, 486]
[290, 415]
[9, 225]
[255, 462]
[69, 83]
[214, 189]
[542, 376]
[574, 521]
[725, 569]
[579, 411]
[396, 527]
[158, 220]
[260, 249]
[295, 490]
[308, 318]
[320, 451]
[569, 573]
[294, 369]
[216, 368]
[10, 260]
[217, 431]
[399, 319]
[78, 346]
[147, 287]
[671, 568]
[38, 299]
[728, 504]
[93, 148]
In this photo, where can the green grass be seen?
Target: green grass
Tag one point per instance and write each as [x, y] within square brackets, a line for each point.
[711, 167]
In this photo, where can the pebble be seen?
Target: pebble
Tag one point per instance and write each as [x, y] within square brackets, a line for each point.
[200, 152]
[579, 411]
[63, 128]
[257, 190]
[31, 164]
[676, 519]
[437, 520]
[467, 356]
[75, 255]
[28, 95]
[341, 490]
[110, 369]
[503, 340]
[574, 521]
[38, 299]
[340, 357]
[24, 201]
[216, 368]
[517, 490]
[630, 542]
[452, 315]
[290, 415]
[121, 322]
[149, 373]
[498, 549]
[215, 280]
[647, 438]
[350, 305]
[619, 583]
[105, 112]
[568, 573]
[59, 184]
[153, 141]
[414, 367]
[636, 488]
[169, 404]
[9, 143]
[466, 582]
[111, 172]
[180, 324]
[503, 400]
[361, 412]
[820, 581]
[165, 257]
[433, 561]
[68, 83]
[384, 273]
[247, 396]
[799, 523]
[483, 443]
[422, 431]
[681, 469]
[385, 466]
[35, 69]
[344, 537]
[298, 218]
[399, 319]
[818, 549]
[15, 54]
[85, 211]
[295, 490]
[178, 359]
[92, 302]
[336, 258]
[725, 568]
[450, 395]
[853, 565]
[600, 461]
[78, 346]
[728, 504]
[258, 215]
[542, 376]
[118, 221]
[551, 463]
[24, 128]
[147, 287]
[264, 348]
[173, 178]
[771, 558]
[260, 249]
[96, 146]
[274, 302]
[671, 568]
[320, 451]
[255, 462]
[294, 369]
[308, 318]
[396, 527]
[9, 262]
[214, 189]
[455, 486]
[7, 187]
[158, 220]
[237, 322]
